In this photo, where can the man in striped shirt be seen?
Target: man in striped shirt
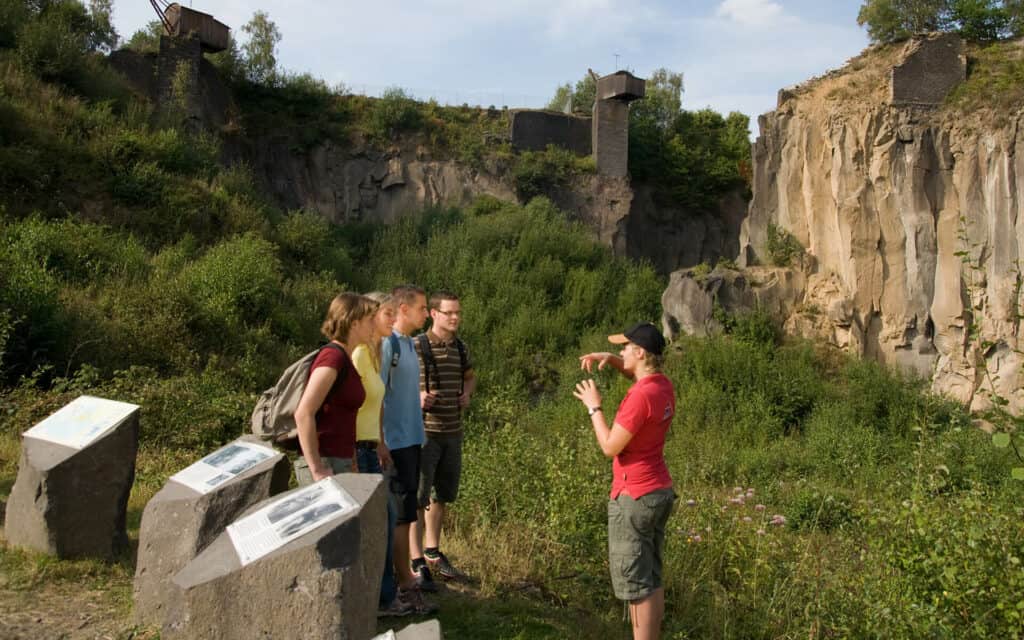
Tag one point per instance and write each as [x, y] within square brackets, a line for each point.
[447, 382]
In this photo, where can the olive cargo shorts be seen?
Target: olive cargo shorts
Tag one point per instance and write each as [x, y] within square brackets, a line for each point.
[636, 538]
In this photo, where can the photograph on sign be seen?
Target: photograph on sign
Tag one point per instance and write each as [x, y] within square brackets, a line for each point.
[81, 422]
[260, 533]
[222, 465]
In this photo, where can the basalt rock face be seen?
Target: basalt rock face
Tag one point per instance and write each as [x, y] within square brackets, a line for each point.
[910, 219]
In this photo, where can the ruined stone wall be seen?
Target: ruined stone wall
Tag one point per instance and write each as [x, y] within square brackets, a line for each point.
[533, 130]
[177, 56]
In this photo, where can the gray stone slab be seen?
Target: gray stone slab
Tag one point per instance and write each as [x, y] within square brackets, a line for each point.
[321, 585]
[179, 523]
[429, 630]
[72, 502]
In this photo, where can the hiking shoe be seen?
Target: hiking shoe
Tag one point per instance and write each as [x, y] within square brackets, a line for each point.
[444, 568]
[398, 607]
[424, 581]
[420, 606]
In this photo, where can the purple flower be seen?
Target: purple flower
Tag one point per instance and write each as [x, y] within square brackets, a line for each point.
[747, 519]
[736, 500]
[758, 507]
[697, 538]
[778, 520]
[760, 532]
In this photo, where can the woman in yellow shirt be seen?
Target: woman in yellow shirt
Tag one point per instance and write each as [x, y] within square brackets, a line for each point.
[371, 453]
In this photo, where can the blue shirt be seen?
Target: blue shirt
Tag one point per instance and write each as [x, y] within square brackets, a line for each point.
[403, 416]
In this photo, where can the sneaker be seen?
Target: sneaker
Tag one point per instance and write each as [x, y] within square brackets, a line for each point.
[399, 607]
[424, 581]
[420, 606]
[444, 568]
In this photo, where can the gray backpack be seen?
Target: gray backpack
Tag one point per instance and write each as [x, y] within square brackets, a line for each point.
[273, 418]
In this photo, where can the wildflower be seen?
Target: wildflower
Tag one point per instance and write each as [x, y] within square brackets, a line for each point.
[737, 489]
[747, 519]
[760, 532]
[759, 507]
[736, 501]
[750, 492]
[725, 507]
[697, 538]
[691, 503]
[778, 520]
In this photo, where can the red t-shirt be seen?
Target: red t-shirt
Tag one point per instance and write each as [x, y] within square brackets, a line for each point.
[646, 412]
[336, 419]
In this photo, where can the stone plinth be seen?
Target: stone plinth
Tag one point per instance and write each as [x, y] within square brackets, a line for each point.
[179, 522]
[321, 585]
[71, 501]
[611, 137]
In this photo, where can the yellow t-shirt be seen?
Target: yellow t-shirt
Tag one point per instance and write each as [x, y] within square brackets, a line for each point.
[368, 420]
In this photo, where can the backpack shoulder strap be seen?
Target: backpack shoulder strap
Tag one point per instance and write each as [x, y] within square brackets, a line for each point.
[462, 362]
[429, 362]
[396, 353]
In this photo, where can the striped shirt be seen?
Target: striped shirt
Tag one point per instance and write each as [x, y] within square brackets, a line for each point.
[446, 381]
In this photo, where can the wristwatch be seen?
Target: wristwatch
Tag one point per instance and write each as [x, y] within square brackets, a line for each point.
[593, 410]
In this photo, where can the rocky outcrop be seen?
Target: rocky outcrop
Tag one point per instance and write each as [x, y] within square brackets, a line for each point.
[911, 221]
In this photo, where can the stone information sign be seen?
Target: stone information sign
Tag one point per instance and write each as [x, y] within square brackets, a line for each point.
[230, 461]
[80, 422]
[259, 533]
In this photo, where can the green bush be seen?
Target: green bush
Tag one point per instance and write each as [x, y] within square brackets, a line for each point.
[395, 111]
[237, 282]
[142, 184]
[309, 240]
[782, 246]
[538, 173]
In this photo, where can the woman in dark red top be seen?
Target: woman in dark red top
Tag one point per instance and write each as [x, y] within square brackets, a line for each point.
[326, 415]
[641, 497]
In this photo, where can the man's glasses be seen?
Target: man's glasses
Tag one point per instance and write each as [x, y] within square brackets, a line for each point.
[449, 314]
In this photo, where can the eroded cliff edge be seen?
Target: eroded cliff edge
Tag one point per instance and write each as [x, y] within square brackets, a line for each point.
[910, 219]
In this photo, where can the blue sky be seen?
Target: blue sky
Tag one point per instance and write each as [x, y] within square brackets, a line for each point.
[734, 54]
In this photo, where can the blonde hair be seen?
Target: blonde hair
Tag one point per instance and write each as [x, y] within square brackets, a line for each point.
[346, 309]
[382, 299]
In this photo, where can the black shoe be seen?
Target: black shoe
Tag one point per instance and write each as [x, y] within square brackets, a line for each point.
[424, 580]
[444, 568]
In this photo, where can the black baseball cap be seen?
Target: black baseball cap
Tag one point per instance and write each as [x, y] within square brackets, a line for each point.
[643, 334]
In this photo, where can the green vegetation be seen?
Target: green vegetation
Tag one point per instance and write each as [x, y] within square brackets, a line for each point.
[995, 82]
[134, 266]
[975, 20]
[782, 246]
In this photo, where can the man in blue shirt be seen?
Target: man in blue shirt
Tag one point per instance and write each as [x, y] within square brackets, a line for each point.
[402, 419]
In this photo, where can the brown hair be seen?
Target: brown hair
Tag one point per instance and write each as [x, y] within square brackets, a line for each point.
[438, 297]
[406, 294]
[346, 309]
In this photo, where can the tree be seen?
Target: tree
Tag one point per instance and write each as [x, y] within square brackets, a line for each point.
[562, 100]
[663, 100]
[978, 20]
[147, 39]
[260, 49]
[103, 36]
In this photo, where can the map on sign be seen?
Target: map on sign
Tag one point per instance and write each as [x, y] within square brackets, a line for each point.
[80, 422]
[230, 461]
[287, 518]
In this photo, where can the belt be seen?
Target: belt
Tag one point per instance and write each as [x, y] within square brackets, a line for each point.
[366, 444]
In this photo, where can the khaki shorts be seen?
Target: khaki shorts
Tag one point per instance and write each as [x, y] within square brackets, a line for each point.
[636, 538]
[337, 465]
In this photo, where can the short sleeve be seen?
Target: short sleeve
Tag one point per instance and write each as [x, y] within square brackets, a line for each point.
[634, 411]
[385, 357]
[363, 361]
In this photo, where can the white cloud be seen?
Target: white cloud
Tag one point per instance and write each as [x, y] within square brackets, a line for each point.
[751, 13]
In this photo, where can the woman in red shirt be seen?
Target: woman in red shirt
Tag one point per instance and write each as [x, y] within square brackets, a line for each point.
[326, 415]
[641, 496]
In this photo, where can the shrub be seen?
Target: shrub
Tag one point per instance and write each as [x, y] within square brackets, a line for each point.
[80, 252]
[782, 246]
[141, 184]
[236, 282]
[395, 111]
[537, 173]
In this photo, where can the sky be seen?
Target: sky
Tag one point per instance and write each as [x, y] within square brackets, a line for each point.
[734, 54]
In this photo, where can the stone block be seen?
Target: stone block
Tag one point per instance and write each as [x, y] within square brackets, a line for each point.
[429, 630]
[70, 498]
[324, 584]
[930, 68]
[180, 522]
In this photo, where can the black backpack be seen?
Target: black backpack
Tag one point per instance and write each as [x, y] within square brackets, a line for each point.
[429, 362]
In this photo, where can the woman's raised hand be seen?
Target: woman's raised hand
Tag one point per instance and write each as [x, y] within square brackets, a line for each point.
[587, 393]
[587, 361]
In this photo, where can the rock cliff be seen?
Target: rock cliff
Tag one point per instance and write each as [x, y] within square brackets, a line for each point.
[909, 216]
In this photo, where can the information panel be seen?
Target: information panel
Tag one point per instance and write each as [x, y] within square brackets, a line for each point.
[289, 517]
[80, 422]
[230, 461]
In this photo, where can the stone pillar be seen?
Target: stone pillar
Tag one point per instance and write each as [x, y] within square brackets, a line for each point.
[322, 585]
[611, 137]
[71, 500]
[180, 522]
